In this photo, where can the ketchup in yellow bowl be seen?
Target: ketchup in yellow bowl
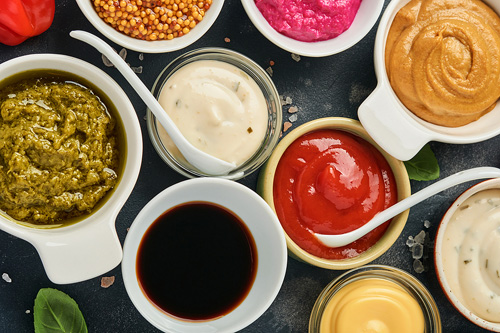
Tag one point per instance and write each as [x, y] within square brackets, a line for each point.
[332, 182]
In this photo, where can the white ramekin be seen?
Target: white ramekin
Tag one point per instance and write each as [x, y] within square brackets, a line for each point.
[91, 247]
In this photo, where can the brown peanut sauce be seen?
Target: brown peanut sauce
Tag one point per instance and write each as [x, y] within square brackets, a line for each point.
[443, 59]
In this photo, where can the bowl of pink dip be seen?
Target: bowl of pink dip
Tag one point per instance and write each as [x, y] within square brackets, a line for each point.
[314, 28]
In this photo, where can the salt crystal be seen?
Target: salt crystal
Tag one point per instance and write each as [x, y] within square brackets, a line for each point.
[420, 237]
[285, 100]
[141, 56]
[282, 100]
[427, 224]
[293, 117]
[269, 71]
[106, 61]
[286, 126]
[293, 109]
[27, 311]
[123, 53]
[410, 241]
[295, 57]
[6, 278]
[418, 266]
[137, 70]
[107, 281]
[417, 251]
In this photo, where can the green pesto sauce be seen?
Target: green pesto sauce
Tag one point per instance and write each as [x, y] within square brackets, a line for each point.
[60, 146]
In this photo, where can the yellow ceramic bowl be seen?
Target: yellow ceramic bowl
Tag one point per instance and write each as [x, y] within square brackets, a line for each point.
[265, 189]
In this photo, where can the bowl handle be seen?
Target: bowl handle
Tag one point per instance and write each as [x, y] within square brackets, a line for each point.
[81, 253]
[386, 123]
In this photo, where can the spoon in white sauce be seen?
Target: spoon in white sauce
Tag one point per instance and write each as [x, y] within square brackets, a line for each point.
[401, 206]
[202, 161]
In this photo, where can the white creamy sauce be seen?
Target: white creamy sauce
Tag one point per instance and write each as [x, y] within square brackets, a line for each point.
[471, 254]
[218, 108]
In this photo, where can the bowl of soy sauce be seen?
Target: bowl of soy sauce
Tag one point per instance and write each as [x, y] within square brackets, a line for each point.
[204, 255]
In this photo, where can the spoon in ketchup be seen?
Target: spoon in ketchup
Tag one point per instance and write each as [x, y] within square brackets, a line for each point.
[401, 206]
[204, 162]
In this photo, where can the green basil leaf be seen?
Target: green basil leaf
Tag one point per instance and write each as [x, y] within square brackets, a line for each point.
[57, 312]
[423, 166]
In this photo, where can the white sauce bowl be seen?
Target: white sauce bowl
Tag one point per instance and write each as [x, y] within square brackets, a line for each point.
[91, 247]
[395, 128]
[262, 224]
[439, 256]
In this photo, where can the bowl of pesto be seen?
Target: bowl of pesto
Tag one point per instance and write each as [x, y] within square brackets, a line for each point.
[64, 149]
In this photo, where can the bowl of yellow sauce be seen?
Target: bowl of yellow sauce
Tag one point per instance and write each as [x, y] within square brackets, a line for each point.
[375, 298]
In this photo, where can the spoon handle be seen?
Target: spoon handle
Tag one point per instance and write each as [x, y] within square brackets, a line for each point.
[401, 206]
[198, 158]
[131, 78]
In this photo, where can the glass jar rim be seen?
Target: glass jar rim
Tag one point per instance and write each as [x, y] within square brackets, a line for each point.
[402, 278]
[251, 68]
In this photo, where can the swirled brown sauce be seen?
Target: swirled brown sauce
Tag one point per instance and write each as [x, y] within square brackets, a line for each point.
[443, 59]
[59, 148]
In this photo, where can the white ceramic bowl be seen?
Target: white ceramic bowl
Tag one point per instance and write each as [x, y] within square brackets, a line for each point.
[91, 247]
[159, 46]
[367, 16]
[444, 279]
[264, 227]
[396, 129]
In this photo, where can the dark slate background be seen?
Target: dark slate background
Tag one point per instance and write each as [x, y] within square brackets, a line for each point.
[319, 87]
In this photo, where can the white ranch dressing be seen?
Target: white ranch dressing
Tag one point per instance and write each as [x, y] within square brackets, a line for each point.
[471, 254]
[218, 108]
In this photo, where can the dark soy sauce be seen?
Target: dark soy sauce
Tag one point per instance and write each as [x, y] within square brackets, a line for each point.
[197, 261]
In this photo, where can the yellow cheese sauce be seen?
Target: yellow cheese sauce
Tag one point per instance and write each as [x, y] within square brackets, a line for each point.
[372, 305]
[218, 108]
[471, 254]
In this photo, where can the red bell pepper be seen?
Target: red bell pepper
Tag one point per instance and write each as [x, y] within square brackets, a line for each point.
[21, 19]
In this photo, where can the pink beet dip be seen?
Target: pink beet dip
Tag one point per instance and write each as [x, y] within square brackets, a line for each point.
[309, 20]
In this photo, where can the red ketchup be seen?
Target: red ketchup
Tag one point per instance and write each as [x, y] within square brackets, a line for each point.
[332, 182]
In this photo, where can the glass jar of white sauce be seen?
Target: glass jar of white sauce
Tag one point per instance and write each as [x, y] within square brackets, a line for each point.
[224, 103]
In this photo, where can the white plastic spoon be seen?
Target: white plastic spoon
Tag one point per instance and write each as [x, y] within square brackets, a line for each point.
[401, 206]
[199, 159]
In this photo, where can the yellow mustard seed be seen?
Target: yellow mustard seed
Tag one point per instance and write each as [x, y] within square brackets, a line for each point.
[152, 20]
